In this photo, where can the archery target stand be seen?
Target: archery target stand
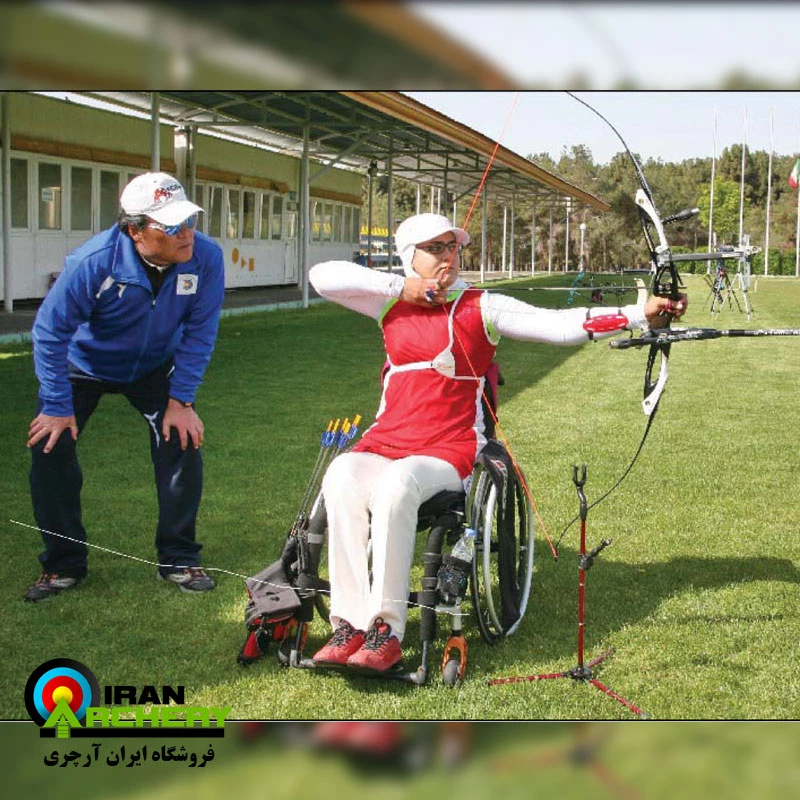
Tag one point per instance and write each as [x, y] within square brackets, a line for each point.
[582, 672]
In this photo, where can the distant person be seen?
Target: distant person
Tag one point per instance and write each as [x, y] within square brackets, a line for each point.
[135, 312]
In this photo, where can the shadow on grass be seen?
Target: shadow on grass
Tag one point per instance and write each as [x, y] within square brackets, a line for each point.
[621, 594]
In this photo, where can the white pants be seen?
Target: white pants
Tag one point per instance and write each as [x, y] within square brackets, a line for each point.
[355, 486]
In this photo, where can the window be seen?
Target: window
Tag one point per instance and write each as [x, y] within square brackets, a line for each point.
[49, 197]
[234, 201]
[109, 198]
[214, 220]
[199, 198]
[19, 193]
[337, 223]
[316, 220]
[327, 226]
[248, 215]
[81, 199]
[348, 223]
[265, 231]
[355, 234]
[277, 216]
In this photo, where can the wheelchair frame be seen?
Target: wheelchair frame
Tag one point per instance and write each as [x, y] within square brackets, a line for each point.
[500, 579]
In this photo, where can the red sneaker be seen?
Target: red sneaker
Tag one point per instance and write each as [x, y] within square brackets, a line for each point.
[380, 652]
[345, 641]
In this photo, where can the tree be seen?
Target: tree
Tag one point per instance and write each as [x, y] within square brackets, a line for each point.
[726, 209]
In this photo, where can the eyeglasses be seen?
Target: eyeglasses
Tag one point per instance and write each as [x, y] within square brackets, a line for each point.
[437, 248]
[174, 230]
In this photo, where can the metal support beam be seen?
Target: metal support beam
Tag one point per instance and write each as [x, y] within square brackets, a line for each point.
[513, 237]
[155, 132]
[305, 218]
[8, 278]
[389, 210]
[483, 236]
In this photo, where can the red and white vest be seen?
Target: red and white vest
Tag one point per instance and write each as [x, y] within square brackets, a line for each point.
[431, 401]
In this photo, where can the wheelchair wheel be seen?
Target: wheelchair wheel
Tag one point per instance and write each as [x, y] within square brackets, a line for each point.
[450, 672]
[502, 568]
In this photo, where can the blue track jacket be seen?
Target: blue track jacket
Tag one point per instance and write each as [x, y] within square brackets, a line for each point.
[101, 316]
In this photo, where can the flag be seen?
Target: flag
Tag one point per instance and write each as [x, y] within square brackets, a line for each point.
[794, 178]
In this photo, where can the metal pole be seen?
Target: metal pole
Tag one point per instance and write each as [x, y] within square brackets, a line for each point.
[419, 197]
[483, 235]
[390, 208]
[711, 203]
[505, 223]
[305, 245]
[373, 169]
[566, 242]
[769, 189]
[533, 240]
[8, 278]
[192, 181]
[155, 133]
[583, 233]
[550, 245]
[513, 238]
[741, 182]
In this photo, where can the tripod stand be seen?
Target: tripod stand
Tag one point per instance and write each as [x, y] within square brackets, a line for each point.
[582, 672]
[721, 289]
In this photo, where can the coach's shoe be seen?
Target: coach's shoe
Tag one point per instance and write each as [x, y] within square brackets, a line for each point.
[47, 585]
[189, 579]
[344, 642]
[381, 650]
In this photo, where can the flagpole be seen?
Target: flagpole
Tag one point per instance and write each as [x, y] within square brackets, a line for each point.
[769, 188]
[741, 182]
[711, 204]
[797, 238]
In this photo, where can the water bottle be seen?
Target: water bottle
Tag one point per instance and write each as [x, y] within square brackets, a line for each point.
[455, 569]
[464, 548]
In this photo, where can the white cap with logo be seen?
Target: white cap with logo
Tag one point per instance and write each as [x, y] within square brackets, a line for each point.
[422, 228]
[159, 196]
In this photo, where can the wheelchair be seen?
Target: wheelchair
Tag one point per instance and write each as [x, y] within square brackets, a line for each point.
[284, 597]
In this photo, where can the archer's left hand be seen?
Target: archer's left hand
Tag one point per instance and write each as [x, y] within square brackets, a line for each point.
[661, 310]
[186, 423]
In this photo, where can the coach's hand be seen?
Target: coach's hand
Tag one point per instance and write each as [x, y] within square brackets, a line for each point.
[46, 425]
[185, 421]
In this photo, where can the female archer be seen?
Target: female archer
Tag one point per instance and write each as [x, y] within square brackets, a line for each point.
[440, 336]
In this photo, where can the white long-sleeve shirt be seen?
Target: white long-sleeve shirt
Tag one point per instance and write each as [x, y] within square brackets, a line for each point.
[368, 292]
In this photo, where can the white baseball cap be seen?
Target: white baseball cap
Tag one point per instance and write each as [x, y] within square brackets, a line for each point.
[159, 196]
[422, 228]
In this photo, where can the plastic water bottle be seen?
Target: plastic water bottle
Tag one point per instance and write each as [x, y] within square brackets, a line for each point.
[464, 548]
[453, 575]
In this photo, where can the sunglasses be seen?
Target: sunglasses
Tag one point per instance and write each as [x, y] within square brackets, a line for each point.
[174, 230]
[437, 248]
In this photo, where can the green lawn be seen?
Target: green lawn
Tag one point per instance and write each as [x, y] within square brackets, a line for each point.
[698, 592]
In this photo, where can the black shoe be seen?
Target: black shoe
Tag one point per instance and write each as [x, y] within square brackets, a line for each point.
[47, 585]
[190, 579]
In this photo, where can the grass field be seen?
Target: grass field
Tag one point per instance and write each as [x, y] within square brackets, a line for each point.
[698, 592]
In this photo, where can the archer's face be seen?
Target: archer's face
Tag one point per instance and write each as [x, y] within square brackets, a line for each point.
[438, 258]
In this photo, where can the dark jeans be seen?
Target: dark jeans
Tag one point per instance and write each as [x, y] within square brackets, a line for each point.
[56, 478]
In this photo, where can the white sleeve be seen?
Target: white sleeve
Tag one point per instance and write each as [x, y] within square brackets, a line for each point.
[357, 288]
[505, 316]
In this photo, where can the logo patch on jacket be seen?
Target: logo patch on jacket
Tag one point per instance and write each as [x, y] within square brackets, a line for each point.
[187, 284]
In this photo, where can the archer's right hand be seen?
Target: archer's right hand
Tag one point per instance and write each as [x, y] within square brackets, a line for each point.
[45, 425]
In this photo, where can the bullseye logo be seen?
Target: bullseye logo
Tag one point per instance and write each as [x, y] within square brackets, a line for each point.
[63, 698]
[61, 679]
